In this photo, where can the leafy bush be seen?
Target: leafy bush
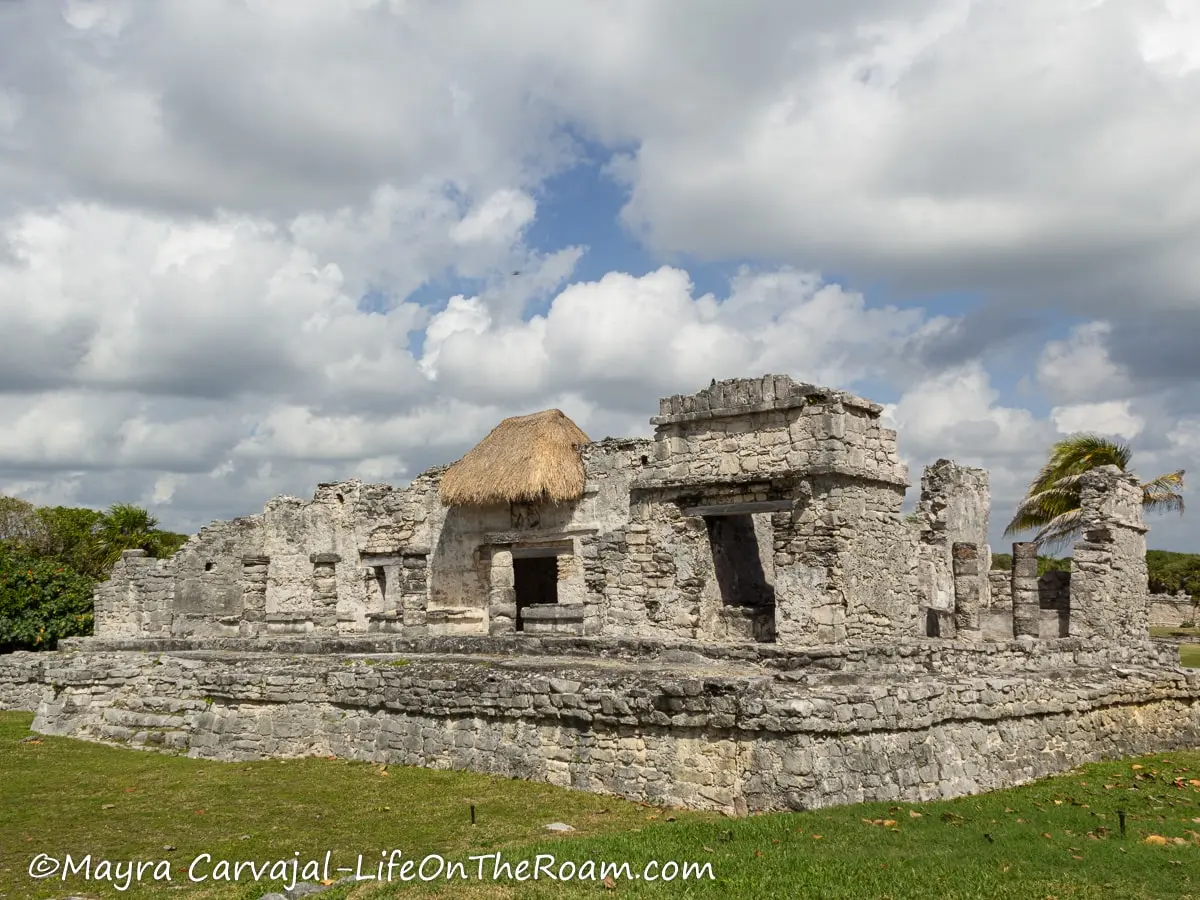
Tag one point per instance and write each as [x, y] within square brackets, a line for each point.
[52, 556]
[41, 601]
[1171, 572]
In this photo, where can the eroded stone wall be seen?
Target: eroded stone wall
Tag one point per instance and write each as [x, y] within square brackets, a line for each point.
[772, 426]
[22, 681]
[953, 508]
[1109, 582]
[770, 731]
[1170, 610]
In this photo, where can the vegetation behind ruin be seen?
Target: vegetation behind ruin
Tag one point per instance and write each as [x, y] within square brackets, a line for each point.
[51, 557]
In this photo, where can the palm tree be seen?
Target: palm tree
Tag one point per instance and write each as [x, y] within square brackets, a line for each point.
[1052, 503]
[125, 527]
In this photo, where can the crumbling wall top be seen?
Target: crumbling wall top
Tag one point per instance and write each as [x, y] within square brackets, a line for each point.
[741, 396]
[1108, 496]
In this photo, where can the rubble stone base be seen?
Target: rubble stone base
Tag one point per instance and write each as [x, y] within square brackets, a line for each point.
[732, 729]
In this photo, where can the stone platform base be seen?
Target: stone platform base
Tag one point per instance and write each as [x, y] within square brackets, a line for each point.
[735, 728]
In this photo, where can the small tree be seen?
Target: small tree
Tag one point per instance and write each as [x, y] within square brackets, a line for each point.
[41, 601]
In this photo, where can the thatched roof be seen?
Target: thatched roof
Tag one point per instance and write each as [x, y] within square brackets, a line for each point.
[525, 459]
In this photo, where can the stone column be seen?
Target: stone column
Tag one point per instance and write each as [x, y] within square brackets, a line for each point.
[1109, 586]
[965, 559]
[324, 591]
[254, 594]
[502, 594]
[1025, 599]
[414, 589]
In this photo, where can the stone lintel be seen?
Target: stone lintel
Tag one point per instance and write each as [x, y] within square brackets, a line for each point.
[506, 538]
[410, 560]
[740, 509]
[324, 559]
[553, 612]
[784, 480]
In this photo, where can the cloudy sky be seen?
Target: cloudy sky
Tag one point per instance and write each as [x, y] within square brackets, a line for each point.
[251, 245]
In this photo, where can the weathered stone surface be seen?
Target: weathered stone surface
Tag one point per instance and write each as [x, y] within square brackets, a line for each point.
[1026, 601]
[775, 729]
[735, 615]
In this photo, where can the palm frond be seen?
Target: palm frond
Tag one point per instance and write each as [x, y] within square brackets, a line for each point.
[1163, 493]
[1052, 501]
[1059, 531]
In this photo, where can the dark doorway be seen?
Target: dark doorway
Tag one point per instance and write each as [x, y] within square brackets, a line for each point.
[535, 580]
[933, 623]
[737, 563]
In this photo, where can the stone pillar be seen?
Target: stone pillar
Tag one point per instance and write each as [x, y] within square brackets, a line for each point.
[502, 594]
[254, 594]
[413, 576]
[967, 598]
[1109, 593]
[808, 610]
[324, 591]
[1025, 598]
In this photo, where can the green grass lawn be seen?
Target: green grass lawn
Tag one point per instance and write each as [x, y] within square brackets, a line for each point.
[1058, 838]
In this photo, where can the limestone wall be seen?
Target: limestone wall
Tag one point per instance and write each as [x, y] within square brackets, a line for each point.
[764, 510]
[805, 732]
[1170, 610]
[1109, 582]
[953, 508]
[22, 681]
[138, 597]
[772, 425]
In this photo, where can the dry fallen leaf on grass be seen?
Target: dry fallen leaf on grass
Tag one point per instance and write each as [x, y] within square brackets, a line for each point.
[1157, 839]
[913, 814]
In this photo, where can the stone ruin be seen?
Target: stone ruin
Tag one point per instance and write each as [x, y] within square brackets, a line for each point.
[734, 615]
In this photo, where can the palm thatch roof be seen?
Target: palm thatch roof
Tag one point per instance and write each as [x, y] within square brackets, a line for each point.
[525, 459]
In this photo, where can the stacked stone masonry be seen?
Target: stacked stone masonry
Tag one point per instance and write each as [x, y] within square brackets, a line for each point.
[777, 632]
[734, 730]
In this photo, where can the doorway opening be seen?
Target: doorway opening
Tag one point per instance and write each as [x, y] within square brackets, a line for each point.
[535, 582]
[737, 561]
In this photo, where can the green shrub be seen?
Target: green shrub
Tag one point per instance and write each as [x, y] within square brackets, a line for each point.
[41, 601]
